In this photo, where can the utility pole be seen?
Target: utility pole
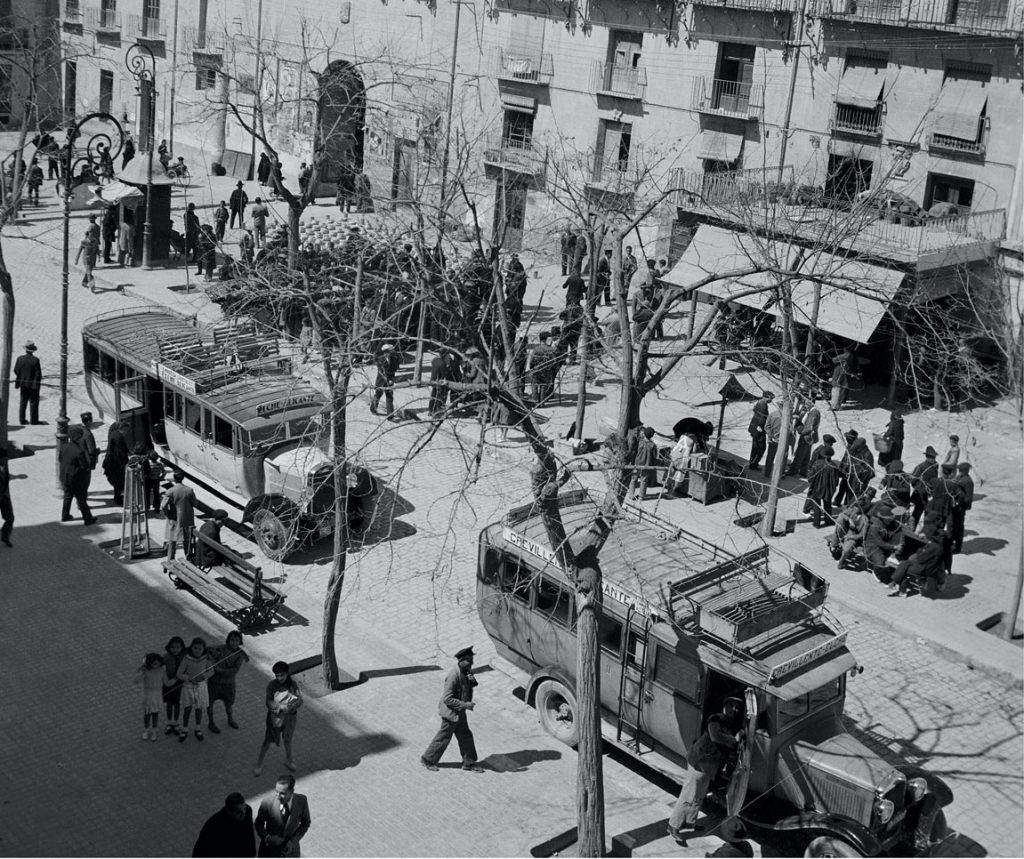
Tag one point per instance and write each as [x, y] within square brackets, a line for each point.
[258, 83]
[448, 123]
[174, 75]
[801, 19]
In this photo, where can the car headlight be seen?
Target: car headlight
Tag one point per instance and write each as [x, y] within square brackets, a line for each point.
[916, 788]
[884, 810]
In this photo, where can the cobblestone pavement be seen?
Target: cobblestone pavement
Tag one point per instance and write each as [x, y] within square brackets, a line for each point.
[409, 603]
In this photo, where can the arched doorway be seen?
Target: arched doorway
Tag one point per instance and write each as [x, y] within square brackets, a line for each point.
[342, 119]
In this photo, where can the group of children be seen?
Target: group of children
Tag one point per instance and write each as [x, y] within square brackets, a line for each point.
[189, 680]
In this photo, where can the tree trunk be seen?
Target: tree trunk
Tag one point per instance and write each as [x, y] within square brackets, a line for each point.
[220, 119]
[294, 218]
[589, 772]
[6, 345]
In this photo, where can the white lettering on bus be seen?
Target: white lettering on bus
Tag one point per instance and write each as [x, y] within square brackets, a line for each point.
[172, 377]
[807, 657]
[281, 405]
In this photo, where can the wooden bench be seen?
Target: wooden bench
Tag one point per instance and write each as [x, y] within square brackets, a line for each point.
[233, 586]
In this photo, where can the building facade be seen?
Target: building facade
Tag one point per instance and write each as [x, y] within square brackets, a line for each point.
[29, 64]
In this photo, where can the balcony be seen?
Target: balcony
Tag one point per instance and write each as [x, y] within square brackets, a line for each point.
[197, 41]
[775, 201]
[619, 81]
[516, 155]
[996, 17]
[943, 144]
[139, 27]
[523, 67]
[106, 21]
[862, 121]
[750, 5]
[728, 98]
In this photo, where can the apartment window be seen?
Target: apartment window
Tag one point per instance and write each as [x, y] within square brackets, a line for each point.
[952, 190]
[6, 91]
[70, 87]
[614, 144]
[71, 9]
[623, 74]
[861, 90]
[151, 8]
[108, 14]
[206, 77]
[847, 177]
[960, 111]
[624, 49]
[734, 78]
[517, 130]
[106, 90]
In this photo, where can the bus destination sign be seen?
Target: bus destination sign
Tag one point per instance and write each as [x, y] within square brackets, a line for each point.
[285, 403]
[172, 377]
[807, 657]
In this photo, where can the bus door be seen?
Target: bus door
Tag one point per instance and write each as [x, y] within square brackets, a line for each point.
[219, 449]
[633, 724]
[505, 609]
[675, 693]
[130, 406]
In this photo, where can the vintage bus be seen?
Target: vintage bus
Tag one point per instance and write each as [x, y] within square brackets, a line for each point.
[686, 624]
[227, 411]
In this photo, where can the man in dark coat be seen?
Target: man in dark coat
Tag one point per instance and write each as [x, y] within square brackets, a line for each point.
[758, 433]
[440, 371]
[229, 832]
[575, 288]
[943, 496]
[263, 169]
[542, 368]
[568, 245]
[963, 501]
[110, 221]
[893, 434]
[927, 564]
[824, 477]
[28, 378]
[116, 459]
[191, 235]
[6, 507]
[220, 220]
[237, 203]
[74, 477]
[880, 541]
[921, 478]
[456, 702]
[604, 277]
[206, 555]
[387, 367]
[806, 428]
[127, 153]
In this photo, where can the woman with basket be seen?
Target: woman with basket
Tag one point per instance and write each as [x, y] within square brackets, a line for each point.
[890, 443]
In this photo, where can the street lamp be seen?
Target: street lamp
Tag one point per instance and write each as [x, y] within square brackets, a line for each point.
[87, 161]
[141, 62]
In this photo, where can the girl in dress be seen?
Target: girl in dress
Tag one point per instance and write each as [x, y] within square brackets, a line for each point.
[195, 669]
[174, 652]
[151, 675]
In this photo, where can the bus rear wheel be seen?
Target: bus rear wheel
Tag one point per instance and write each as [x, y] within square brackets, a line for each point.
[273, 528]
[556, 706]
[828, 845]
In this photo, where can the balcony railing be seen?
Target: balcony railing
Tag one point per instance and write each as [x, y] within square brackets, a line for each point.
[523, 67]
[999, 17]
[615, 175]
[728, 98]
[202, 41]
[516, 155]
[850, 119]
[957, 146]
[71, 11]
[621, 81]
[103, 20]
[751, 5]
[775, 201]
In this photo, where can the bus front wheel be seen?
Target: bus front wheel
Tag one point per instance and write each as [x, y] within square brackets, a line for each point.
[273, 527]
[828, 845]
[556, 706]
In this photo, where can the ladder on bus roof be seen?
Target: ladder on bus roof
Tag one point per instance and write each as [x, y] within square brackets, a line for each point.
[633, 677]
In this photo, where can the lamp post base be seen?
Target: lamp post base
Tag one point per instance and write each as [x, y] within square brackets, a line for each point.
[61, 439]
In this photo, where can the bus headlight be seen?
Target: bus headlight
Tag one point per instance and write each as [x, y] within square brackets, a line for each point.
[916, 788]
[884, 810]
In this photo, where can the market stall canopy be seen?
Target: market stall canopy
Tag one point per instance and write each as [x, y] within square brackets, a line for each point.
[116, 192]
[136, 169]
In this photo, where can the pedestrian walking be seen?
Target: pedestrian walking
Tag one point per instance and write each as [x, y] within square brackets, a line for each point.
[259, 213]
[604, 278]
[757, 430]
[237, 203]
[282, 820]
[195, 670]
[441, 370]
[644, 463]
[150, 676]
[715, 746]
[115, 461]
[305, 174]
[6, 505]
[109, 231]
[179, 508]
[227, 662]
[963, 501]
[387, 367]
[28, 379]
[283, 700]
[567, 245]
[807, 436]
[126, 244]
[35, 182]
[456, 702]
[174, 653]
[88, 252]
[229, 832]
[822, 481]
[74, 477]
[263, 170]
[191, 235]
[220, 220]
[541, 369]
[893, 437]
[89, 440]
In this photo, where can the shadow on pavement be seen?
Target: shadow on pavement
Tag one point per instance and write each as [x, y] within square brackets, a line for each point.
[983, 546]
[377, 673]
[517, 762]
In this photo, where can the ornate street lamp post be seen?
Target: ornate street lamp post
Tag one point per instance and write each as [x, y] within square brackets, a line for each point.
[80, 161]
[141, 62]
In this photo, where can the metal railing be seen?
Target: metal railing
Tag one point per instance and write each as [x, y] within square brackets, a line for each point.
[728, 98]
[623, 81]
[697, 189]
[516, 65]
[1003, 17]
[857, 120]
[615, 174]
[520, 156]
[931, 235]
[203, 41]
[110, 19]
[957, 145]
[751, 5]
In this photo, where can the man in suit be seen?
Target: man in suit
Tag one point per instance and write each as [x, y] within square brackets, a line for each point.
[456, 702]
[229, 832]
[28, 378]
[237, 203]
[75, 472]
[758, 433]
[282, 820]
[387, 362]
[963, 501]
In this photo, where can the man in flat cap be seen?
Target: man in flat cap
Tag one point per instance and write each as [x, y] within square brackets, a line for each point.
[921, 478]
[456, 702]
[719, 740]
[387, 366]
[28, 379]
[758, 431]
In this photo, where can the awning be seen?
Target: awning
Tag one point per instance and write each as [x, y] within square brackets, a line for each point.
[117, 192]
[720, 145]
[861, 86]
[852, 149]
[717, 251]
[523, 103]
[958, 113]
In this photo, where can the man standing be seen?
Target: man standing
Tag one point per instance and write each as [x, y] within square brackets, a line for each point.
[237, 202]
[259, 214]
[842, 366]
[220, 220]
[807, 437]
[629, 267]
[89, 444]
[181, 501]
[74, 477]
[604, 277]
[773, 431]
[6, 507]
[440, 371]
[109, 232]
[720, 738]
[248, 247]
[541, 364]
[568, 245]
[191, 235]
[116, 459]
[125, 243]
[921, 480]
[387, 367]
[229, 832]
[28, 379]
[456, 702]
[283, 819]
[963, 501]
[88, 252]
[574, 287]
[757, 431]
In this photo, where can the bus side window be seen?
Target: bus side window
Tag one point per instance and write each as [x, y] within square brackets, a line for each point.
[554, 602]
[90, 358]
[223, 433]
[193, 416]
[207, 425]
[490, 563]
[108, 368]
[609, 634]
[516, 579]
[676, 673]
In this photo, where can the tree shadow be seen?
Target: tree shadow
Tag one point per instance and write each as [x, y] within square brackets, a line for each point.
[401, 671]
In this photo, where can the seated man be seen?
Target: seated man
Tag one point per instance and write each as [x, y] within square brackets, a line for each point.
[851, 526]
[927, 564]
[881, 540]
[206, 555]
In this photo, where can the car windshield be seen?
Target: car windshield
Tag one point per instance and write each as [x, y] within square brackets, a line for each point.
[790, 711]
[304, 428]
